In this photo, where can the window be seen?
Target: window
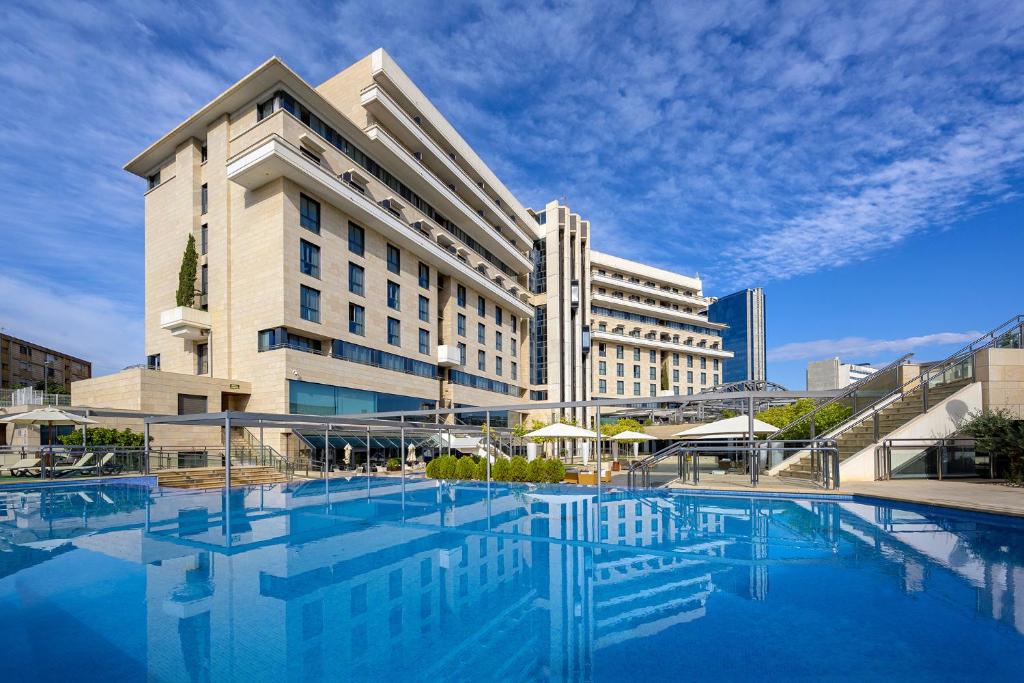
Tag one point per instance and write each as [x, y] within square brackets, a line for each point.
[202, 359]
[636, 388]
[356, 239]
[203, 153]
[675, 360]
[481, 306]
[356, 279]
[499, 316]
[514, 369]
[620, 370]
[602, 368]
[310, 155]
[689, 391]
[601, 351]
[394, 332]
[425, 341]
[497, 365]
[424, 309]
[481, 361]
[356, 319]
[153, 180]
[653, 356]
[204, 239]
[204, 199]
[460, 296]
[309, 304]
[481, 333]
[394, 296]
[689, 376]
[309, 258]
[204, 285]
[653, 389]
[602, 386]
[675, 375]
[703, 363]
[153, 362]
[715, 362]
[497, 341]
[636, 372]
[703, 378]
[424, 275]
[636, 354]
[689, 361]
[515, 324]
[620, 387]
[462, 353]
[394, 259]
[191, 404]
[619, 352]
[460, 325]
[309, 214]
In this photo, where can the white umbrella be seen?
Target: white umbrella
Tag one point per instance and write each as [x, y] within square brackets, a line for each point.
[631, 436]
[730, 427]
[561, 431]
[49, 416]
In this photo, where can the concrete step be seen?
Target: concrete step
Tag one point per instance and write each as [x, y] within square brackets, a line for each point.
[213, 477]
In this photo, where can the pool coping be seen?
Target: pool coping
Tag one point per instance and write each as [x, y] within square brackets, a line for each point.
[30, 483]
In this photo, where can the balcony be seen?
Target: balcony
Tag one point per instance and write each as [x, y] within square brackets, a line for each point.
[654, 311]
[275, 157]
[410, 135]
[647, 342]
[697, 302]
[186, 323]
[448, 356]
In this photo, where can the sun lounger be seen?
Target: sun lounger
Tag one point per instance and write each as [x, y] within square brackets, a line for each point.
[105, 466]
[64, 470]
[25, 467]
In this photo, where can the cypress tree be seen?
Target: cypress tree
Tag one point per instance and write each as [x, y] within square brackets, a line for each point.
[187, 275]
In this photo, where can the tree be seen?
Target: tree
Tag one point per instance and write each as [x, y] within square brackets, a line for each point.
[187, 274]
[825, 420]
[105, 436]
[623, 424]
[999, 434]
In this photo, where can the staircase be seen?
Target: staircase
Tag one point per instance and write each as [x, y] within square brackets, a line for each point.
[911, 398]
[862, 434]
[213, 477]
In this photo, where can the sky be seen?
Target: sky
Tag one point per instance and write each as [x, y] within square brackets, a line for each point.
[862, 162]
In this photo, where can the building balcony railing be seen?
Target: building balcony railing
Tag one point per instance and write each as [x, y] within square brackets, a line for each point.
[655, 311]
[28, 396]
[699, 302]
[384, 108]
[658, 343]
[186, 323]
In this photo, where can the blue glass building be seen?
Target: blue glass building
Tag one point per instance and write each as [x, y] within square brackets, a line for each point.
[743, 312]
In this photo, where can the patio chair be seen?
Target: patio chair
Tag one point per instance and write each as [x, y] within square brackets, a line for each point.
[105, 466]
[24, 468]
[64, 470]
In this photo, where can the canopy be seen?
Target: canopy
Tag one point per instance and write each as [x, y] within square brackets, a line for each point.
[48, 415]
[561, 431]
[631, 436]
[730, 427]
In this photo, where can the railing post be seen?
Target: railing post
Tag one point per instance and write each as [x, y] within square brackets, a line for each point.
[487, 448]
[227, 453]
[598, 429]
[924, 394]
[876, 425]
[145, 456]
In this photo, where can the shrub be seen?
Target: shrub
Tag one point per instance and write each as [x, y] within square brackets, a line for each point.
[501, 469]
[432, 467]
[1000, 435]
[480, 470]
[393, 464]
[466, 468]
[535, 470]
[443, 467]
[517, 469]
[186, 293]
[554, 470]
[105, 436]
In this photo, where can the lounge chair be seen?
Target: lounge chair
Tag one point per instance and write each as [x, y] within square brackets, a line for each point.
[64, 470]
[105, 466]
[24, 467]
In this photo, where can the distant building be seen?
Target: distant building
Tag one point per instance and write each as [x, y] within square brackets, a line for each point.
[24, 363]
[743, 313]
[834, 374]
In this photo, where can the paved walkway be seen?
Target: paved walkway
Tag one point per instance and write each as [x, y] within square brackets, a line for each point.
[980, 495]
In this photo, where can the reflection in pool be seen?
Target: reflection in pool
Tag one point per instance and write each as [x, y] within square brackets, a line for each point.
[369, 580]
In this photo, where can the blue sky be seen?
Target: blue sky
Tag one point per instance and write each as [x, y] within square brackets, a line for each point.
[863, 162]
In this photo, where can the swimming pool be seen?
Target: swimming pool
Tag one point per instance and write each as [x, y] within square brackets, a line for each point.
[365, 579]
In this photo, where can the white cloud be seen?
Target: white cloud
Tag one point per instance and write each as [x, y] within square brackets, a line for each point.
[104, 331]
[854, 349]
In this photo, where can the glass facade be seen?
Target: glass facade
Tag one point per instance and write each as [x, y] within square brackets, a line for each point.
[743, 312]
[309, 398]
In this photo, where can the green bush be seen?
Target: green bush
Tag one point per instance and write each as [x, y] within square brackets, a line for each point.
[480, 471]
[501, 469]
[432, 467]
[393, 465]
[999, 434]
[518, 469]
[444, 467]
[105, 436]
[535, 470]
[466, 468]
[554, 470]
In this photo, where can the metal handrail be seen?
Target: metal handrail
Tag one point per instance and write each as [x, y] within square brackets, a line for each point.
[941, 446]
[929, 373]
[852, 389]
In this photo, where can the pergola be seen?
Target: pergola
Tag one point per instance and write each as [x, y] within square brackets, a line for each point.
[428, 421]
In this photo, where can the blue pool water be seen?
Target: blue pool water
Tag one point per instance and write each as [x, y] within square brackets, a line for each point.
[367, 580]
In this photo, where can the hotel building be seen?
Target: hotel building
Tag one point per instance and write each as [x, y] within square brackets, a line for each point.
[356, 255]
[742, 313]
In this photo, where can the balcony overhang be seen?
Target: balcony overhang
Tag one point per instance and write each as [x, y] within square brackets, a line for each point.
[655, 311]
[184, 322]
[448, 356]
[698, 302]
[274, 157]
[613, 338]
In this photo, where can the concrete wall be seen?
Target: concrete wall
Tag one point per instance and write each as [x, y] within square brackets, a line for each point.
[1002, 373]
